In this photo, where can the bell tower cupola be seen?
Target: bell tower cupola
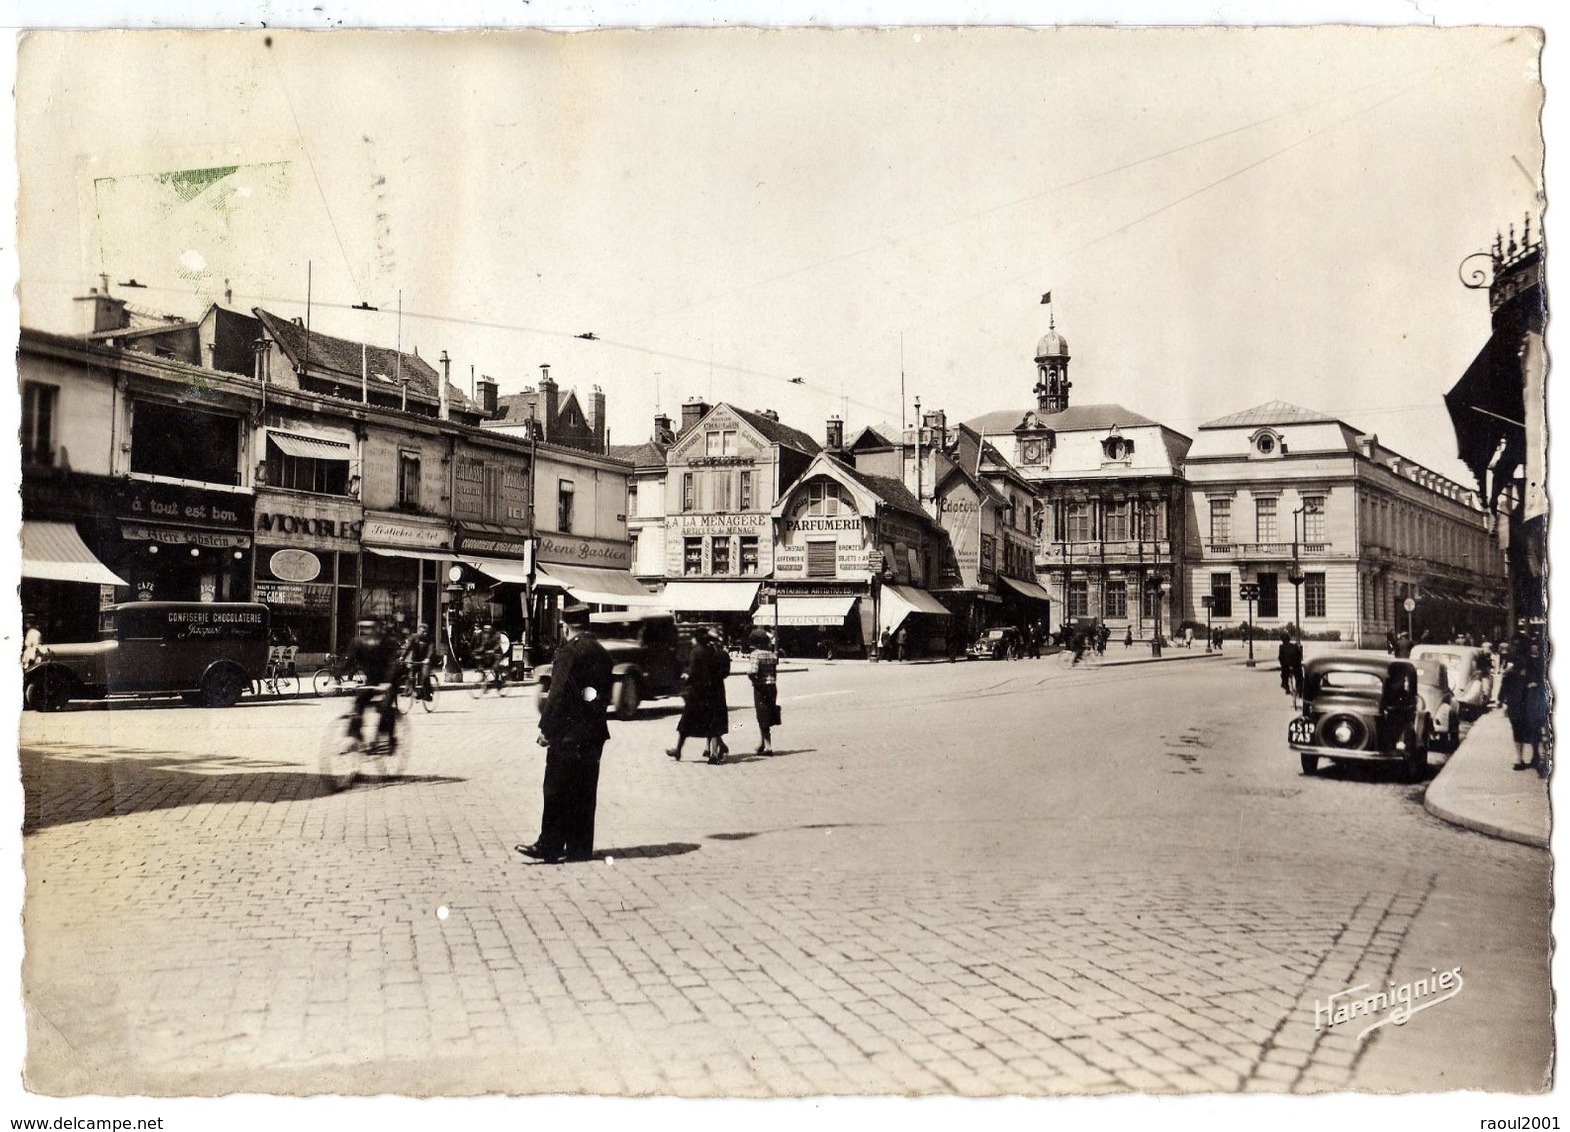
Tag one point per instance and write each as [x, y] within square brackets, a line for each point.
[1052, 383]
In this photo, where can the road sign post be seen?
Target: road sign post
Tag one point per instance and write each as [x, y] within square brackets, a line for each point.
[1249, 592]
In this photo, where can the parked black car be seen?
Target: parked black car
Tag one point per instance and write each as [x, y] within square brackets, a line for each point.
[1363, 707]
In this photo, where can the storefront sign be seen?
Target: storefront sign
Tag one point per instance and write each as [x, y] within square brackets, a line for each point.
[306, 525]
[183, 536]
[585, 551]
[174, 503]
[491, 544]
[314, 597]
[295, 565]
[747, 523]
[389, 532]
[849, 523]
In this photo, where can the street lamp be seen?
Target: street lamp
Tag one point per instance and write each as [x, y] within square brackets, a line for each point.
[1207, 600]
[1295, 576]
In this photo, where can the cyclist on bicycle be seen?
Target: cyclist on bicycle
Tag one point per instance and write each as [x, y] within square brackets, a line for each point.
[376, 652]
[416, 660]
[492, 649]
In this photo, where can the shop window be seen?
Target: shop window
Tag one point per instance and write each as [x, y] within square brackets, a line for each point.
[744, 495]
[564, 506]
[749, 554]
[692, 556]
[1079, 597]
[409, 481]
[184, 443]
[1221, 520]
[1117, 600]
[1221, 595]
[1268, 594]
[40, 407]
[719, 554]
[821, 559]
[1313, 595]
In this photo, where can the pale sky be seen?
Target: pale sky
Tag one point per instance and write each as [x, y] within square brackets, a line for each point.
[1223, 217]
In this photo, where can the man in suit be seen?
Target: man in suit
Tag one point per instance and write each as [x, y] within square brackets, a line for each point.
[573, 731]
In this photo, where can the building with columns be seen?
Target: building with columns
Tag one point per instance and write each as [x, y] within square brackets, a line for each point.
[1109, 500]
[1279, 492]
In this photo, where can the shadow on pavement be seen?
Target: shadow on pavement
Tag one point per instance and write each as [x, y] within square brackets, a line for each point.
[669, 849]
[74, 782]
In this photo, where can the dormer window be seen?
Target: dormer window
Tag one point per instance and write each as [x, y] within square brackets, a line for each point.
[1266, 444]
[1117, 448]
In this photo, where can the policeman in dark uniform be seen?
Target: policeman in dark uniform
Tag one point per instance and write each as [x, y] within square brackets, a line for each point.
[573, 731]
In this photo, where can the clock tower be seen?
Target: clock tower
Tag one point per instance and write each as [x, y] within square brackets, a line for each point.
[1052, 383]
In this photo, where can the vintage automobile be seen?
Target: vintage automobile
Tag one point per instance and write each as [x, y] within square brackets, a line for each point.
[208, 652]
[995, 644]
[647, 658]
[1466, 667]
[1361, 706]
[1433, 687]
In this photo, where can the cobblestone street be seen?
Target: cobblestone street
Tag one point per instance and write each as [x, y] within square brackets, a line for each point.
[1010, 878]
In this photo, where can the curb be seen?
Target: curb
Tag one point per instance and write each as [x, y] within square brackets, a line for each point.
[1459, 801]
[1478, 825]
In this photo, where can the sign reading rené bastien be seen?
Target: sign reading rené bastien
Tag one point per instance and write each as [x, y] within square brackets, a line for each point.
[570, 549]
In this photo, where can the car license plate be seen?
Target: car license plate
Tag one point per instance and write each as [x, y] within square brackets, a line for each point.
[1300, 731]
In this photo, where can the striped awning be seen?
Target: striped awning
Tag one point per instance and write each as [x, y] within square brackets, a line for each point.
[309, 447]
[55, 552]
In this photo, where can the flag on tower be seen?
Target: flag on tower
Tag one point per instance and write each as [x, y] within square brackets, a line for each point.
[1046, 299]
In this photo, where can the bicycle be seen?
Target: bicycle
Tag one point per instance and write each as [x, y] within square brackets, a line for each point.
[343, 757]
[328, 681]
[493, 678]
[410, 692]
[278, 678]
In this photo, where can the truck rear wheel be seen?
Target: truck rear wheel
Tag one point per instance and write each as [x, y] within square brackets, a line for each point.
[223, 687]
[50, 689]
[624, 697]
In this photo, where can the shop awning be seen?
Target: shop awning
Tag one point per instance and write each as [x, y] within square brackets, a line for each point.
[55, 552]
[1487, 409]
[806, 610]
[309, 447]
[709, 597]
[409, 552]
[896, 603]
[596, 584]
[1028, 590]
[502, 569]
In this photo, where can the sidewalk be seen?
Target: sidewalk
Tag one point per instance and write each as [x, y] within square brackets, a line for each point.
[1479, 789]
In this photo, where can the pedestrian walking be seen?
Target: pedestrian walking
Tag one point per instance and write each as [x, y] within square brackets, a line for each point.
[573, 733]
[1403, 646]
[1528, 703]
[884, 644]
[1290, 657]
[901, 642]
[705, 713]
[1128, 637]
[32, 641]
[1188, 636]
[763, 670]
[1103, 634]
[1216, 639]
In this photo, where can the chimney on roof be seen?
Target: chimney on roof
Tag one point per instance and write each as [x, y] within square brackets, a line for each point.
[834, 434]
[934, 426]
[693, 412]
[485, 387]
[441, 398]
[101, 311]
[551, 395]
[770, 414]
[597, 417]
[662, 429]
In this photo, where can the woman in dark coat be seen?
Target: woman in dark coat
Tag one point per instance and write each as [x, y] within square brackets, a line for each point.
[705, 712]
[763, 670]
[1527, 701]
